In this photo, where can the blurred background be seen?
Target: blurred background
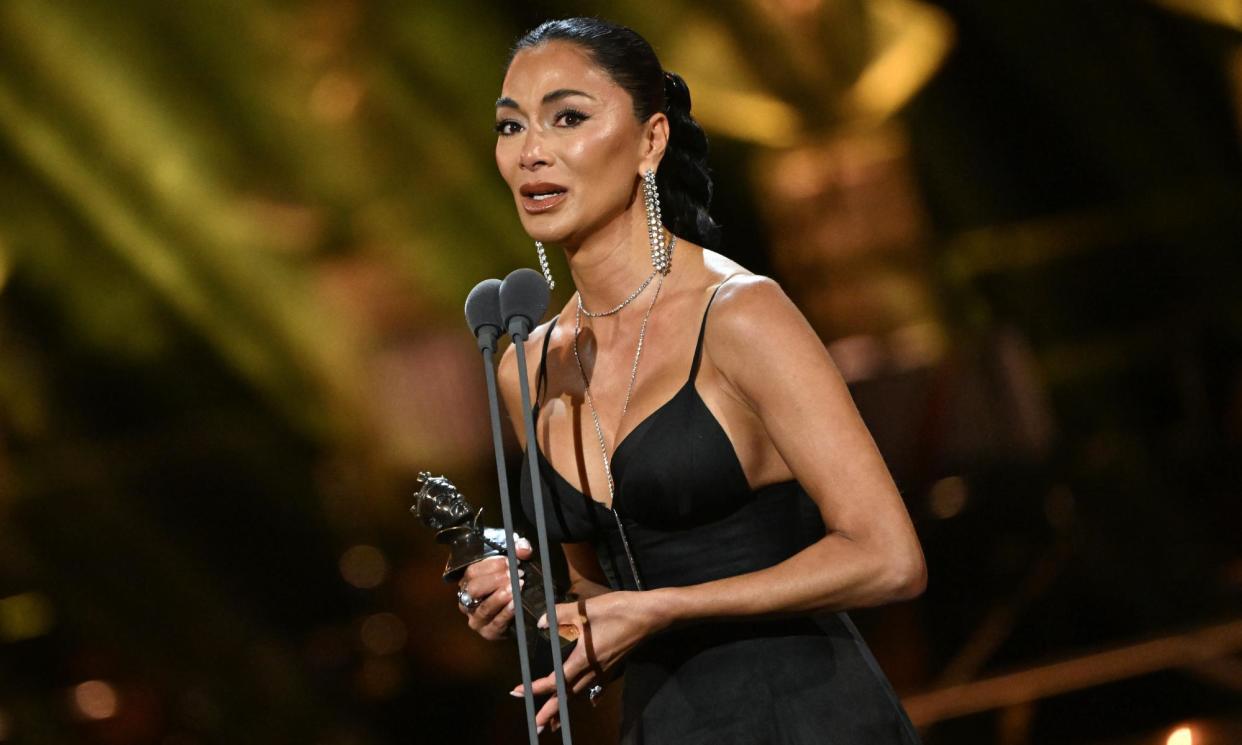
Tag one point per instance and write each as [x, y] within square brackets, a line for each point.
[235, 239]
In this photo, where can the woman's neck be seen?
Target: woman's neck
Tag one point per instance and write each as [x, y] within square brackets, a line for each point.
[608, 265]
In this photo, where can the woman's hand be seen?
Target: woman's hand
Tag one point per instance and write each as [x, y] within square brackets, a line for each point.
[487, 584]
[607, 627]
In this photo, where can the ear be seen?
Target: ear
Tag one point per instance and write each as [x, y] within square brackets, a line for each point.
[654, 142]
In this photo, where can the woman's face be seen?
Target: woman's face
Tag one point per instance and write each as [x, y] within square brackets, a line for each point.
[568, 143]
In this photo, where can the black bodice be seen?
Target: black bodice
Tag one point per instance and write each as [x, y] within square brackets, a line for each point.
[691, 517]
[681, 494]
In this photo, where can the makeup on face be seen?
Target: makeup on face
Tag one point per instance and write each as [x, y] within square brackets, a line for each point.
[567, 142]
[542, 196]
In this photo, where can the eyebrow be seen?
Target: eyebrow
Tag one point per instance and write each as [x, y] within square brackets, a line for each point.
[556, 95]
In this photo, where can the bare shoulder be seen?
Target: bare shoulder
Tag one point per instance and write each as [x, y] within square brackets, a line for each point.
[507, 370]
[719, 266]
[754, 329]
[507, 377]
[748, 304]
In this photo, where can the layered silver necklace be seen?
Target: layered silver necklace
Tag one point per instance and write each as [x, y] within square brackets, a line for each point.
[582, 309]
[629, 390]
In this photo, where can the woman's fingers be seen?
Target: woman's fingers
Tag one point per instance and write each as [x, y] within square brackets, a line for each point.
[492, 603]
[579, 676]
[499, 625]
[567, 617]
[546, 686]
[543, 686]
[483, 577]
[487, 582]
[585, 681]
[481, 618]
[492, 617]
[575, 665]
[548, 712]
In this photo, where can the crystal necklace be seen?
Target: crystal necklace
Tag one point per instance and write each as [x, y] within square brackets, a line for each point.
[586, 385]
[628, 300]
[625, 302]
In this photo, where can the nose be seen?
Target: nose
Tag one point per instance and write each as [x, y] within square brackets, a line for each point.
[534, 155]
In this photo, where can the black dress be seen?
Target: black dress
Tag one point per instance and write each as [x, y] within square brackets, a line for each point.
[691, 517]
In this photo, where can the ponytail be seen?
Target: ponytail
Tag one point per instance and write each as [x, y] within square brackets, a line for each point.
[684, 180]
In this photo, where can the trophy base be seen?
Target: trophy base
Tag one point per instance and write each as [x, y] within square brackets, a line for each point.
[533, 606]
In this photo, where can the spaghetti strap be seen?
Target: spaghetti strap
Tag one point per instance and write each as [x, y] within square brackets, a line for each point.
[691, 515]
[698, 347]
[541, 378]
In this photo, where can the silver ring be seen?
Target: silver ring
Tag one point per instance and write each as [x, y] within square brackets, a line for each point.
[594, 692]
[466, 601]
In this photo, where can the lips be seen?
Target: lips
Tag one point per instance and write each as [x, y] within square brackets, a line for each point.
[542, 196]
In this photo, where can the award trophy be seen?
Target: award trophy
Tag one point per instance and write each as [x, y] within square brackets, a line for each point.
[440, 506]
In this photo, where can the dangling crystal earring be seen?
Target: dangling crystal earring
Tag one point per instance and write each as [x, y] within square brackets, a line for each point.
[655, 226]
[543, 264]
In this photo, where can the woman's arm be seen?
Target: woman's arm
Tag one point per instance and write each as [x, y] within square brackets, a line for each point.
[773, 362]
[586, 578]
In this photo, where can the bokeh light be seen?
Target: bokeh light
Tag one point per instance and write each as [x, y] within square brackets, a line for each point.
[25, 616]
[948, 497]
[364, 567]
[336, 96]
[1181, 736]
[383, 633]
[6, 263]
[95, 700]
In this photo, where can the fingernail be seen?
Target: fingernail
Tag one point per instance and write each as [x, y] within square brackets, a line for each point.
[523, 544]
[509, 606]
[515, 694]
[521, 583]
[543, 621]
[521, 572]
[539, 729]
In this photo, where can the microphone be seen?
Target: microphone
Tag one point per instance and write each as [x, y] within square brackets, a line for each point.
[524, 297]
[484, 318]
[483, 313]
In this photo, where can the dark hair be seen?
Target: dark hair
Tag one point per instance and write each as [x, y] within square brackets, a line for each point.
[683, 178]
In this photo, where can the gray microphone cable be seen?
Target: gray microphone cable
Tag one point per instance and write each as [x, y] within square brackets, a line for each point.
[483, 316]
[524, 299]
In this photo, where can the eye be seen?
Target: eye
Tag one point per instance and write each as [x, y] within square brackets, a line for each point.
[507, 127]
[571, 117]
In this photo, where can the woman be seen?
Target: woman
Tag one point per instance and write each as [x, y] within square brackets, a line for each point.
[690, 492]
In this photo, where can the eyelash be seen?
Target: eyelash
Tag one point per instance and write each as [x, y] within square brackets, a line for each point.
[579, 115]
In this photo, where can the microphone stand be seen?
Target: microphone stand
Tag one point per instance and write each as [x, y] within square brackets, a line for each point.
[524, 287]
[486, 335]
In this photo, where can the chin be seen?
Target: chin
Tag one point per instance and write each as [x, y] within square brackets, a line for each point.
[545, 231]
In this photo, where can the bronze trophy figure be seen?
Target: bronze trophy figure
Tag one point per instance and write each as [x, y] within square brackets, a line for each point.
[440, 506]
